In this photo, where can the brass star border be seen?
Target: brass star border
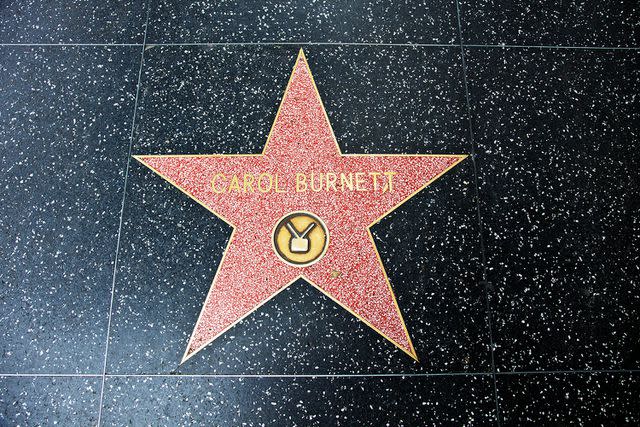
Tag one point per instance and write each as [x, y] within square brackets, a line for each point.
[300, 142]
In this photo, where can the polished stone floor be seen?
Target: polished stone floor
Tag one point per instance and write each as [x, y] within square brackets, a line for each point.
[517, 272]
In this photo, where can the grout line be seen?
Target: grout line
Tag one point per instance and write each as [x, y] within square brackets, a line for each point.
[374, 375]
[473, 151]
[310, 43]
[124, 195]
[511, 46]
[479, 216]
[305, 43]
[69, 44]
[569, 371]
[493, 360]
[36, 375]
[318, 375]
[379, 375]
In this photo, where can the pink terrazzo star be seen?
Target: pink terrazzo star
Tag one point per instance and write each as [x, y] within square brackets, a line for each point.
[300, 169]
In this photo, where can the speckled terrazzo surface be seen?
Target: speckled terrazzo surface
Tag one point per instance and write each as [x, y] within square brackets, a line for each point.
[517, 272]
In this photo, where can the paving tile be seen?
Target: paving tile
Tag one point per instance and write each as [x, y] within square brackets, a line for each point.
[572, 398]
[303, 21]
[49, 401]
[224, 99]
[171, 246]
[569, 23]
[557, 137]
[80, 21]
[66, 117]
[299, 401]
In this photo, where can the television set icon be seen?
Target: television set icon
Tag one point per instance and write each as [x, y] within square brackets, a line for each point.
[299, 242]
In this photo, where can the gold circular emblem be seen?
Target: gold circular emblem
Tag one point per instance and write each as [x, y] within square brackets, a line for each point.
[300, 238]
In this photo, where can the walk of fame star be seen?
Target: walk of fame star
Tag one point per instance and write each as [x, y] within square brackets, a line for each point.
[301, 209]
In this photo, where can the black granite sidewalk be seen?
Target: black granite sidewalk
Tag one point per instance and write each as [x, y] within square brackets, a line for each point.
[520, 283]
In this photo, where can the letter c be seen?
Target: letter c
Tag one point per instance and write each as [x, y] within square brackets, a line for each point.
[213, 183]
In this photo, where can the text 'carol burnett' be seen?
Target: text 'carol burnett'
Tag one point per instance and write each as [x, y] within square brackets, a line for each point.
[302, 182]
